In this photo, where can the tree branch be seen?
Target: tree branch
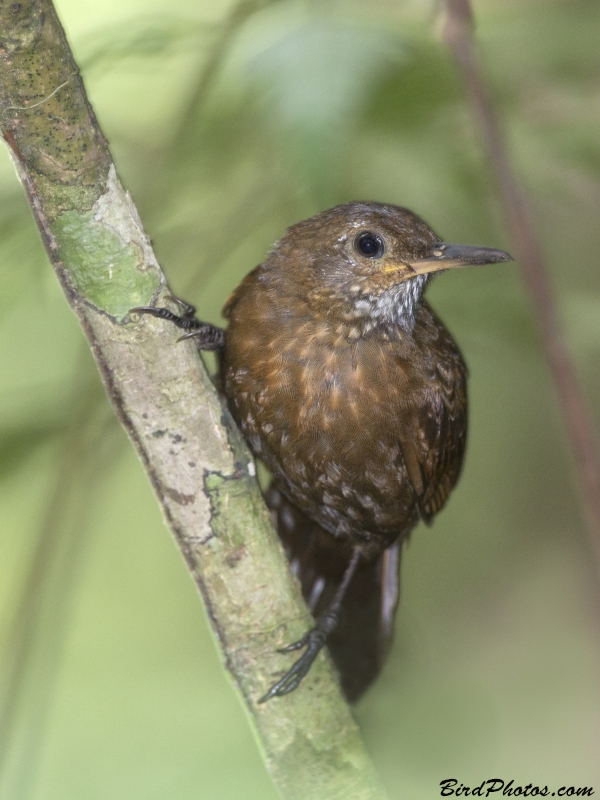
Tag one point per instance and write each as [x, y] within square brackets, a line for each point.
[198, 464]
[458, 33]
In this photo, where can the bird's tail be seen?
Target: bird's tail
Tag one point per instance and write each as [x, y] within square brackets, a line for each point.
[362, 640]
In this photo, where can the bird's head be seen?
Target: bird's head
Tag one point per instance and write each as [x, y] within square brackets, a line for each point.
[368, 262]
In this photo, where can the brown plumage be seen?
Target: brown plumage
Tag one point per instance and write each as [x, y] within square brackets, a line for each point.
[350, 389]
[362, 639]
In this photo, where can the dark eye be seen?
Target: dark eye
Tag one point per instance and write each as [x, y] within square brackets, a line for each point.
[370, 245]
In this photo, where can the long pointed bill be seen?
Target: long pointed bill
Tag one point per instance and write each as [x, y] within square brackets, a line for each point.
[449, 256]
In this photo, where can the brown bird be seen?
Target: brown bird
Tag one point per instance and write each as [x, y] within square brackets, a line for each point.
[352, 392]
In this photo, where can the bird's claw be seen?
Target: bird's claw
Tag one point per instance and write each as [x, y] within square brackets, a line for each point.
[313, 640]
[188, 309]
[291, 679]
[205, 335]
[295, 645]
[155, 311]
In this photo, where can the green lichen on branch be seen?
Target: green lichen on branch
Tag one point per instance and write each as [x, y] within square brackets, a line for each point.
[87, 219]
[112, 263]
[44, 111]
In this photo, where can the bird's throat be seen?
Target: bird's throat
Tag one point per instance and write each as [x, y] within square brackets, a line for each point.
[394, 307]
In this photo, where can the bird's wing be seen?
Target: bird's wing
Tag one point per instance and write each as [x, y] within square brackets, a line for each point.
[239, 291]
[443, 432]
[436, 431]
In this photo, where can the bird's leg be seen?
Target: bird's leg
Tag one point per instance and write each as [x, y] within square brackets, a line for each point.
[315, 638]
[206, 336]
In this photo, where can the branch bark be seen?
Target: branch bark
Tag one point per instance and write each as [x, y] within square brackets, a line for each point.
[458, 33]
[200, 468]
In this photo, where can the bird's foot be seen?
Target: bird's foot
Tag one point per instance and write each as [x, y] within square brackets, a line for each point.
[313, 640]
[206, 336]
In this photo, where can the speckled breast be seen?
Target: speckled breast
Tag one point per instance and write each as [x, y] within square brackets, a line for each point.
[326, 414]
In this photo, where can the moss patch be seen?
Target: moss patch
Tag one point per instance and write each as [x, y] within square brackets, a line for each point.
[105, 270]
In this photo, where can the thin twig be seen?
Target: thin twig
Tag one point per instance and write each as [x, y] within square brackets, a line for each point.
[56, 551]
[458, 33]
[231, 26]
[48, 632]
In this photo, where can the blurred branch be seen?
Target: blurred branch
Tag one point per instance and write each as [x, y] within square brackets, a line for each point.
[458, 33]
[36, 636]
[227, 32]
[199, 466]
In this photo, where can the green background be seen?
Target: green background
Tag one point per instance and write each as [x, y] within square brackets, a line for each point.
[111, 684]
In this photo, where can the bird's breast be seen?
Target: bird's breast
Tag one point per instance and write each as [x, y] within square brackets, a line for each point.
[326, 411]
[310, 386]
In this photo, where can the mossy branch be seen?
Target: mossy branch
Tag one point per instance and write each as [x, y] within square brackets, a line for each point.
[197, 462]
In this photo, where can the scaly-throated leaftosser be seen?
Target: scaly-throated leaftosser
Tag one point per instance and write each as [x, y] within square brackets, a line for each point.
[349, 388]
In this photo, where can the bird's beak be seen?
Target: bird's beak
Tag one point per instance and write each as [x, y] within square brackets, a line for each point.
[448, 256]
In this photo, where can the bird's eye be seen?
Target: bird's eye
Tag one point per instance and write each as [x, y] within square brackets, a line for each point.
[370, 245]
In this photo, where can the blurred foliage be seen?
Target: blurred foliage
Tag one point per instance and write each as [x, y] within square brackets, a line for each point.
[227, 126]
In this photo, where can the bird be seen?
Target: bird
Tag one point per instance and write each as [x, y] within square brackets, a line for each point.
[352, 392]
